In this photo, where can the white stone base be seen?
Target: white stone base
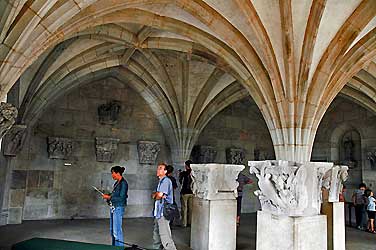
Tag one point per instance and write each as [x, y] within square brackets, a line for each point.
[213, 224]
[290, 233]
[339, 236]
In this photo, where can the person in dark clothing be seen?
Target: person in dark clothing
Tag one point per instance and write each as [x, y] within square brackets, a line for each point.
[185, 180]
[118, 199]
[170, 170]
[359, 203]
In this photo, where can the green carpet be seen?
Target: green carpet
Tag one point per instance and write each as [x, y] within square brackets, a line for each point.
[51, 244]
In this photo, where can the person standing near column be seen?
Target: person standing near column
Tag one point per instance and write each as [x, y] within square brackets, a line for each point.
[118, 198]
[358, 200]
[162, 238]
[243, 180]
[185, 180]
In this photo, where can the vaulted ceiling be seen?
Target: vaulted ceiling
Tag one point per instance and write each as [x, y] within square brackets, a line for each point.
[191, 58]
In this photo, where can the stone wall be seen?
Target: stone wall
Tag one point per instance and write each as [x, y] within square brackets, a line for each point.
[346, 119]
[240, 126]
[45, 188]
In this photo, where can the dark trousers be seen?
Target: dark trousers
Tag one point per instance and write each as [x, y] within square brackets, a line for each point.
[359, 213]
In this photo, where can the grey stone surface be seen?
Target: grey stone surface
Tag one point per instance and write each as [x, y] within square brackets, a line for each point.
[108, 113]
[14, 140]
[339, 234]
[290, 233]
[8, 114]
[333, 181]
[106, 149]
[235, 156]
[289, 188]
[148, 151]
[18, 180]
[17, 197]
[15, 215]
[204, 154]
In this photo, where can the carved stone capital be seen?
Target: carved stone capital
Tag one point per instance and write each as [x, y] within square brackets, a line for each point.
[60, 148]
[8, 114]
[148, 151]
[204, 154]
[108, 113]
[289, 188]
[106, 149]
[215, 181]
[235, 156]
[14, 140]
[333, 181]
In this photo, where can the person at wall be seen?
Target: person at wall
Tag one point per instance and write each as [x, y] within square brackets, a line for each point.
[359, 202]
[118, 199]
[243, 180]
[371, 210]
[162, 238]
[186, 193]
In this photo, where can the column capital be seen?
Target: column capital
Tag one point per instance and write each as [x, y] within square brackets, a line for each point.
[215, 181]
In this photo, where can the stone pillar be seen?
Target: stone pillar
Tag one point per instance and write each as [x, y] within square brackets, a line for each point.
[290, 197]
[214, 206]
[333, 208]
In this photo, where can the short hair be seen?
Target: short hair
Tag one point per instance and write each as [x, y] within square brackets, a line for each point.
[169, 169]
[367, 192]
[163, 164]
[118, 169]
[188, 163]
[362, 185]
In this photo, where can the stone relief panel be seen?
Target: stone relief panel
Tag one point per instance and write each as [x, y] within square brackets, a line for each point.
[106, 149]
[333, 181]
[59, 147]
[289, 188]
[108, 114]
[371, 158]
[148, 151]
[15, 139]
[235, 156]
[215, 181]
[8, 114]
[203, 154]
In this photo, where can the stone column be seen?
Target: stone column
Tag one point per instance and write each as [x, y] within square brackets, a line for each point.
[333, 208]
[290, 197]
[214, 206]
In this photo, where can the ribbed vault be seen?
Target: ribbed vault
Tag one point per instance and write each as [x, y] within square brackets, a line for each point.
[293, 57]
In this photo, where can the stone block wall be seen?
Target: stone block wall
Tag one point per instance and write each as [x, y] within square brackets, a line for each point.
[242, 126]
[45, 188]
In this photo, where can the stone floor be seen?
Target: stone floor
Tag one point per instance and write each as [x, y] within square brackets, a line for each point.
[139, 231]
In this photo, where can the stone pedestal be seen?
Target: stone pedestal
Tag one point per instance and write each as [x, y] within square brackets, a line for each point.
[213, 224]
[214, 206]
[290, 233]
[335, 213]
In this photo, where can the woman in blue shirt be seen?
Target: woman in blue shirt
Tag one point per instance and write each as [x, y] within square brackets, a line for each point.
[118, 201]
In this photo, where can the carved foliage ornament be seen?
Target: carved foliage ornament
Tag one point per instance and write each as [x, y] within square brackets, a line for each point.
[14, 140]
[108, 113]
[60, 148]
[333, 181]
[148, 151]
[8, 114]
[288, 188]
[106, 149]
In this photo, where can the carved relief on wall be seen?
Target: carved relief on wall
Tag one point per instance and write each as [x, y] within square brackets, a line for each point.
[148, 151]
[288, 188]
[14, 140]
[108, 113]
[8, 114]
[235, 155]
[371, 158]
[106, 149]
[59, 148]
[203, 154]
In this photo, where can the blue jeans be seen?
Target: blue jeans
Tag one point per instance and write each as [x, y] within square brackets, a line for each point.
[116, 219]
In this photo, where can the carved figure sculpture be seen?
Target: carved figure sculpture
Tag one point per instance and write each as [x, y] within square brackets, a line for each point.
[333, 181]
[288, 188]
[235, 156]
[59, 148]
[109, 113]
[148, 151]
[203, 154]
[8, 114]
[371, 157]
[106, 149]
